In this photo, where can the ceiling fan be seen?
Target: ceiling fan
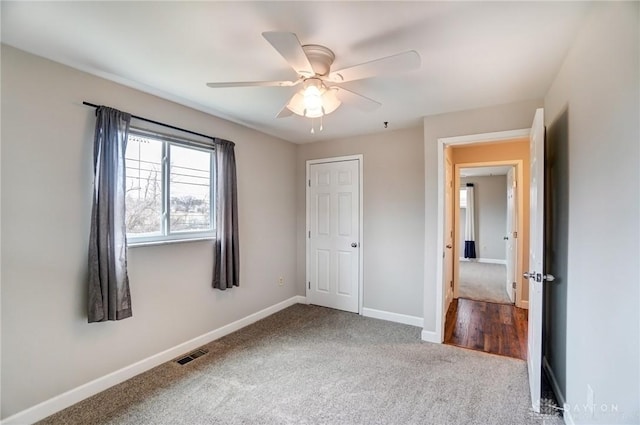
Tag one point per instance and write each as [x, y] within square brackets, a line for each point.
[319, 94]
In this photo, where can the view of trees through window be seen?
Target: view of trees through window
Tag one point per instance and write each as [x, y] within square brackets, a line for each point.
[190, 188]
[184, 200]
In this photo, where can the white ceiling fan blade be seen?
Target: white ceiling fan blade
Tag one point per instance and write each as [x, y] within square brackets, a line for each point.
[391, 64]
[355, 99]
[289, 47]
[255, 84]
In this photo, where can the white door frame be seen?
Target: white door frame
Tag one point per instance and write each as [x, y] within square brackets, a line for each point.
[360, 159]
[500, 136]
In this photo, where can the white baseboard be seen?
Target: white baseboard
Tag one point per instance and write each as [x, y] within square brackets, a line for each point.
[524, 304]
[566, 415]
[71, 397]
[393, 317]
[485, 260]
[430, 336]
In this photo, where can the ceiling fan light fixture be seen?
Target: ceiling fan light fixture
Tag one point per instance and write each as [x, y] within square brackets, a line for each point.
[296, 104]
[314, 100]
[330, 101]
[314, 113]
[312, 63]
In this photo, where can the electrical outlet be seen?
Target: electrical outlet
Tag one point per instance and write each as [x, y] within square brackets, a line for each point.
[281, 281]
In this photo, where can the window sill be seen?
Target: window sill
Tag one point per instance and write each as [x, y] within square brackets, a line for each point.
[169, 242]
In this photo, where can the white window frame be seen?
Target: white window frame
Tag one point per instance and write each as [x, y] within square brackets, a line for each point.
[167, 236]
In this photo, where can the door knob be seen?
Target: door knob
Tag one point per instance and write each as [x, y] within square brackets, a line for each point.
[539, 277]
[354, 245]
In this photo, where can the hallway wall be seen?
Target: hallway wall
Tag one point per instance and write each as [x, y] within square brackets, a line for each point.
[490, 194]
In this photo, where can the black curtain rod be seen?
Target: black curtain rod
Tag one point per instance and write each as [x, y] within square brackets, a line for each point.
[159, 123]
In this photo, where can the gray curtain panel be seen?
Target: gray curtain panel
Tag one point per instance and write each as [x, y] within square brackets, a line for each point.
[109, 295]
[226, 258]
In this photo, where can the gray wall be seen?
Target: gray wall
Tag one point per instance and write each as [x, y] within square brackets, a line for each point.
[592, 107]
[47, 137]
[393, 215]
[595, 97]
[484, 120]
[490, 194]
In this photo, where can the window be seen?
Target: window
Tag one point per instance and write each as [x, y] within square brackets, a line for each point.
[169, 188]
[463, 198]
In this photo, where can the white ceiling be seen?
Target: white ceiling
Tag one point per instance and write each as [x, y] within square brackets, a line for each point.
[474, 54]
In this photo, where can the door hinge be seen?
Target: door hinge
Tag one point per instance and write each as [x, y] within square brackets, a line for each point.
[309, 285]
[309, 182]
[309, 234]
[515, 235]
[513, 285]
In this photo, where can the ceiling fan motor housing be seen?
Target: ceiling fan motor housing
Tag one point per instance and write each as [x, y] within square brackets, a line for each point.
[320, 58]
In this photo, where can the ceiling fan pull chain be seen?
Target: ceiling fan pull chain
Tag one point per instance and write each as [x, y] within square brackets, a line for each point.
[313, 131]
[321, 122]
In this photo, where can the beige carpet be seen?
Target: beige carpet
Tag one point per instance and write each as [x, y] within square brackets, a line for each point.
[313, 365]
[483, 282]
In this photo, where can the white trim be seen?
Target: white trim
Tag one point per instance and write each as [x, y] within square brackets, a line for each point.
[335, 159]
[523, 304]
[566, 414]
[484, 260]
[361, 234]
[169, 241]
[360, 159]
[499, 136]
[75, 395]
[393, 317]
[438, 334]
[431, 336]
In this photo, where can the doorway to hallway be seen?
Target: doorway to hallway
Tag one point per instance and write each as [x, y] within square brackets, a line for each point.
[486, 218]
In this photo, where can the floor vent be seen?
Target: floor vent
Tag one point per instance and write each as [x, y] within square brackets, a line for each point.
[191, 356]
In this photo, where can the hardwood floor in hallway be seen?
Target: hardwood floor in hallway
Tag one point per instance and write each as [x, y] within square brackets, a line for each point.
[493, 328]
